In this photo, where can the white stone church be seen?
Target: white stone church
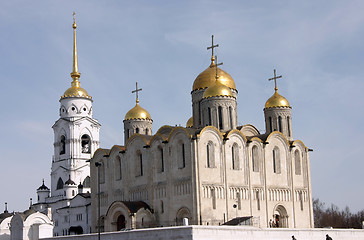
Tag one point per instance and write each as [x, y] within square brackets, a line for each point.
[211, 172]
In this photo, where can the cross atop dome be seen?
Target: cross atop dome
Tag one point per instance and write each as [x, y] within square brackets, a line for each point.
[212, 48]
[136, 91]
[275, 80]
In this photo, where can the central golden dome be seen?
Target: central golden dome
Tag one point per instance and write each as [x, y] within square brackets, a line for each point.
[218, 90]
[137, 112]
[207, 78]
[277, 100]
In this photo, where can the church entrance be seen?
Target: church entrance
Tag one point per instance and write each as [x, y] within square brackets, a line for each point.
[280, 217]
[120, 223]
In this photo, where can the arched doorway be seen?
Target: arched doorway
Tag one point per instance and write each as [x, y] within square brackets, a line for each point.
[120, 223]
[181, 214]
[280, 217]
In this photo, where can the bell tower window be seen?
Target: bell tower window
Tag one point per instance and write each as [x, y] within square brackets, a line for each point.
[86, 143]
[59, 184]
[63, 145]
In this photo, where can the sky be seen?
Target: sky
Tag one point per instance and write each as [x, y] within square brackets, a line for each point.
[317, 46]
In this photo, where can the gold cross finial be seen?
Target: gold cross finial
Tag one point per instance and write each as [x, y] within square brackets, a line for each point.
[275, 80]
[136, 91]
[215, 66]
[212, 48]
[74, 16]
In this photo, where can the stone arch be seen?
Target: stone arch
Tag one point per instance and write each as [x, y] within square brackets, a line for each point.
[280, 216]
[182, 213]
[86, 143]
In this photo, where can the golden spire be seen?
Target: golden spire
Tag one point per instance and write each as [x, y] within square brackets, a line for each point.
[75, 74]
[75, 90]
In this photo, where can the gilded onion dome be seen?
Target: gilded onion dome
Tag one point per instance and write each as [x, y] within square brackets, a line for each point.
[218, 90]
[277, 100]
[75, 90]
[189, 123]
[207, 78]
[137, 112]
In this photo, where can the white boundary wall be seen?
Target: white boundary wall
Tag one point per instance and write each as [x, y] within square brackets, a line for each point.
[222, 233]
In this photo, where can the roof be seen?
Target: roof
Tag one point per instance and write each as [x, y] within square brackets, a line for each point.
[237, 221]
[135, 206]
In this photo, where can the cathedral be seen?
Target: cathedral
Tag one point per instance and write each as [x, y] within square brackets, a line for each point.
[210, 172]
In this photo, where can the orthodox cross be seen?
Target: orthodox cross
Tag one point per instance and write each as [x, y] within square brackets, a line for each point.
[275, 80]
[212, 46]
[215, 66]
[136, 91]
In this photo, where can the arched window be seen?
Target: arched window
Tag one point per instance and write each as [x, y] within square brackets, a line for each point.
[137, 130]
[276, 161]
[86, 143]
[231, 117]
[181, 155]
[255, 159]
[118, 173]
[86, 183]
[288, 126]
[209, 116]
[297, 162]
[102, 173]
[139, 164]
[63, 145]
[161, 158]
[270, 124]
[213, 195]
[235, 156]
[280, 124]
[220, 117]
[210, 155]
[146, 131]
[59, 184]
[120, 222]
[162, 207]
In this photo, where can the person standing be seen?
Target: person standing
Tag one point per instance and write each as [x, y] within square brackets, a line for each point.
[328, 237]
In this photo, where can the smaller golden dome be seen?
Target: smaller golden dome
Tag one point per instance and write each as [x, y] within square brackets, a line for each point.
[137, 112]
[189, 123]
[277, 100]
[218, 90]
[207, 78]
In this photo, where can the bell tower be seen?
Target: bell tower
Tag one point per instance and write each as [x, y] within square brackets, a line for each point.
[76, 136]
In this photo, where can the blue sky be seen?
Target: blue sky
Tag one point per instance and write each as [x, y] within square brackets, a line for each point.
[316, 45]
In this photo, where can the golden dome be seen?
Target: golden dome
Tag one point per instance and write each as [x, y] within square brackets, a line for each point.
[277, 100]
[189, 123]
[76, 91]
[207, 78]
[218, 90]
[137, 112]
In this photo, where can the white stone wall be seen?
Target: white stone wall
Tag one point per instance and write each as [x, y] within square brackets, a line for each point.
[223, 232]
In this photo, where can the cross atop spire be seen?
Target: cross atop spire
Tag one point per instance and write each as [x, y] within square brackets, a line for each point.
[275, 80]
[136, 92]
[212, 48]
[215, 66]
